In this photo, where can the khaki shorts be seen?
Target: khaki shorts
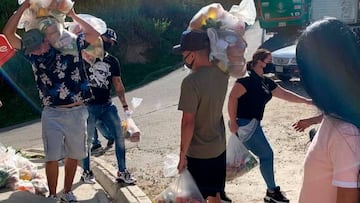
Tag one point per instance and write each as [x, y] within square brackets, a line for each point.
[64, 132]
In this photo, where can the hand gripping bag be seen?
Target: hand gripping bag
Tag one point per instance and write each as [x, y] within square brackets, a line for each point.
[183, 190]
[238, 159]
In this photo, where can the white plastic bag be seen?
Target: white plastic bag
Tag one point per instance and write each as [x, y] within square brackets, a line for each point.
[170, 165]
[238, 159]
[245, 11]
[183, 190]
[225, 32]
[58, 37]
[228, 47]
[44, 8]
[130, 130]
[40, 186]
[135, 102]
[97, 23]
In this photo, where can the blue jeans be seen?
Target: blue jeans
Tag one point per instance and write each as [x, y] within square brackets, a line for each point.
[258, 145]
[104, 131]
[105, 117]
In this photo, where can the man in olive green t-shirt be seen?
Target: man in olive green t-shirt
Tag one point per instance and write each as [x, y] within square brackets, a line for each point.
[203, 140]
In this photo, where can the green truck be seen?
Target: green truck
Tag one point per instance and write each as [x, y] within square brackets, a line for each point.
[283, 16]
[287, 17]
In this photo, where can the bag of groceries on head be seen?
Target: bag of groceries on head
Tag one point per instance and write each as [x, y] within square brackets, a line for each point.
[238, 159]
[44, 8]
[225, 32]
[183, 190]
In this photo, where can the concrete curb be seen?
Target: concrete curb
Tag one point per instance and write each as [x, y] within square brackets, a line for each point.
[119, 193]
[104, 175]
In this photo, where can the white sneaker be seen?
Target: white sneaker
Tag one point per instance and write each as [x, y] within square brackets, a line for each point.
[88, 177]
[68, 197]
[125, 177]
[53, 197]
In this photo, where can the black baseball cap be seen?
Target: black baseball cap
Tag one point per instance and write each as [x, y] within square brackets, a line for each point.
[111, 34]
[32, 40]
[192, 40]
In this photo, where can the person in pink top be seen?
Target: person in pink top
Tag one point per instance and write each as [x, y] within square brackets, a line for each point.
[328, 55]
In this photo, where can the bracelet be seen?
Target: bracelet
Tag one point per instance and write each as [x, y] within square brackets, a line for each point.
[125, 106]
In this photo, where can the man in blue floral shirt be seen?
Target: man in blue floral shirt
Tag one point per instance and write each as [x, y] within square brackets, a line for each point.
[63, 89]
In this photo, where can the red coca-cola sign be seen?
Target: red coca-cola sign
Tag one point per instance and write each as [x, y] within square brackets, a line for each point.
[6, 50]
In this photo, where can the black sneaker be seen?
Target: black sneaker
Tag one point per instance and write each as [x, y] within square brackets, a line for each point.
[110, 143]
[224, 198]
[312, 133]
[95, 148]
[275, 196]
[88, 177]
[125, 177]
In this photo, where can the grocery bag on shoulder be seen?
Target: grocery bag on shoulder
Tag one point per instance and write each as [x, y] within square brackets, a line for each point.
[183, 190]
[238, 159]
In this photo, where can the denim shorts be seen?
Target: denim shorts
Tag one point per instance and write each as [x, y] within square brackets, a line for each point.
[64, 132]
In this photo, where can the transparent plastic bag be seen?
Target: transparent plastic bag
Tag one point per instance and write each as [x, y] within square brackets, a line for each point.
[225, 32]
[215, 16]
[27, 169]
[27, 20]
[40, 186]
[64, 6]
[130, 130]
[13, 177]
[97, 23]
[227, 48]
[25, 185]
[245, 11]
[135, 102]
[170, 165]
[58, 37]
[238, 159]
[206, 15]
[44, 8]
[94, 51]
[66, 44]
[183, 190]
[4, 175]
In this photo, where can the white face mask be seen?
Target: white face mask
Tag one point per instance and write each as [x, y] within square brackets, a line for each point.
[188, 65]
